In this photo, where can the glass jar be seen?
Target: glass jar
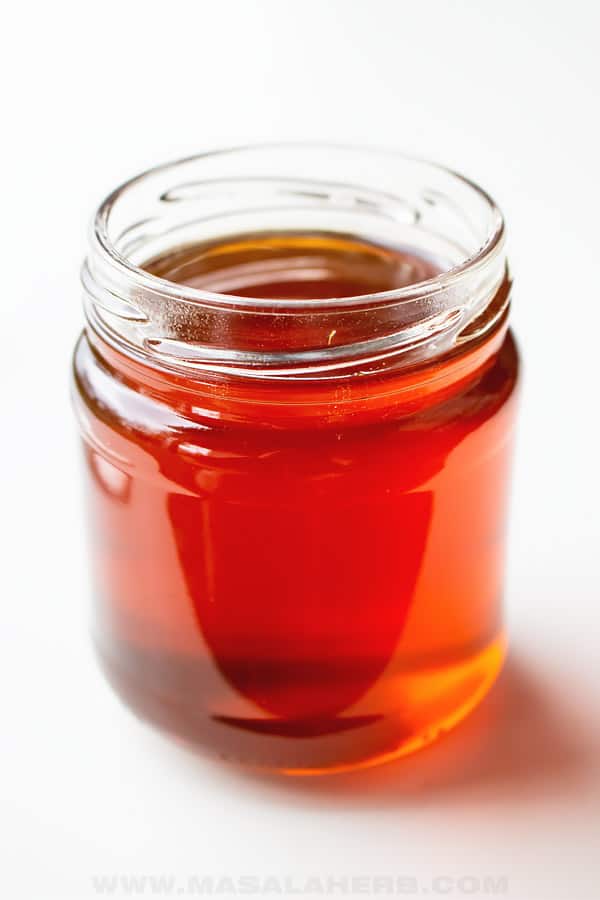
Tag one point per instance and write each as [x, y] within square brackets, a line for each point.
[298, 504]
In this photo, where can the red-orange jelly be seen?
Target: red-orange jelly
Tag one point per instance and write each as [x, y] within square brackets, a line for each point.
[303, 576]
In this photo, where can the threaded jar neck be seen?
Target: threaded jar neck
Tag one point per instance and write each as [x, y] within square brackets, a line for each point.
[376, 196]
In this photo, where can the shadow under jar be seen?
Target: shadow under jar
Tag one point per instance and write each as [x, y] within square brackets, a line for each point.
[296, 392]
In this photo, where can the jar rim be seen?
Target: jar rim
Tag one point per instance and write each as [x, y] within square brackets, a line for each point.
[374, 194]
[145, 280]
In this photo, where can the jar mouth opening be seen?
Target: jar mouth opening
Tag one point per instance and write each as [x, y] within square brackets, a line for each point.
[378, 197]
[104, 244]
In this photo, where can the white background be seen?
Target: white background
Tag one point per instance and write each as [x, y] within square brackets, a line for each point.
[507, 92]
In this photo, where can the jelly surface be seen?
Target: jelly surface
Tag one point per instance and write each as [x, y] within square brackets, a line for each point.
[305, 594]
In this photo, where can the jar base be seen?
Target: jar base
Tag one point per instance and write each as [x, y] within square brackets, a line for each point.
[432, 700]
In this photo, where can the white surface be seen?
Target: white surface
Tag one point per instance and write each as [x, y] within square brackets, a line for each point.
[506, 92]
